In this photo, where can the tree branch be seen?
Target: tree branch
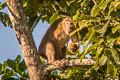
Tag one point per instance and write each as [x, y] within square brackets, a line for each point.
[70, 63]
[54, 8]
[94, 1]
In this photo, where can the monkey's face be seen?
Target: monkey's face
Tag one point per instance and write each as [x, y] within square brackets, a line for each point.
[67, 25]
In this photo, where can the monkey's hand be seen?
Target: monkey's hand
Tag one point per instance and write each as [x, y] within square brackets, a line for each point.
[73, 47]
[61, 64]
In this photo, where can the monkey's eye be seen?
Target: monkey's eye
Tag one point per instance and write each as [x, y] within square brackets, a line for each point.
[67, 23]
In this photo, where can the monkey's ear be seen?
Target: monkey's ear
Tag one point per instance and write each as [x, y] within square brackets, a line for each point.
[73, 47]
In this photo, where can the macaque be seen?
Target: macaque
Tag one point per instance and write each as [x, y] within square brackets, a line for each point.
[52, 46]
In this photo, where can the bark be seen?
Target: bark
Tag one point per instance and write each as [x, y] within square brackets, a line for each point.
[26, 42]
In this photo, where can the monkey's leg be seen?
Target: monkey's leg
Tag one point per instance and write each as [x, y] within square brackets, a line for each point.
[50, 52]
[64, 60]
[53, 55]
[63, 50]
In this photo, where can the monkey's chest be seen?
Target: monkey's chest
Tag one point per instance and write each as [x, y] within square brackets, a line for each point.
[62, 40]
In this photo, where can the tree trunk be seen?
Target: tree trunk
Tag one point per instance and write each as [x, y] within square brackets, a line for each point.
[25, 38]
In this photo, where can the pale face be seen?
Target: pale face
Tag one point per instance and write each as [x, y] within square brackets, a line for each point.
[67, 25]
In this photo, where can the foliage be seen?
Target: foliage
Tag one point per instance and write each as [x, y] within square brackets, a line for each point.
[14, 70]
[4, 18]
[98, 28]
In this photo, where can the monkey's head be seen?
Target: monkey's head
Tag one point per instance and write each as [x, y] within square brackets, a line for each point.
[67, 25]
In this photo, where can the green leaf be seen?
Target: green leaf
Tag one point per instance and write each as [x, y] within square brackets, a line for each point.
[76, 15]
[18, 58]
[110, 41]
[112, 9]
[103, 60]
[115, 5]
[110, 68]
[4, 66]
[4, 18]
[8, 77]
[22, 66]
[115, 71]
[82, 24]
[95, 10]
[116, 28]
[8, 74]
[104, 28]
[115, 55]
[112, 55]
[101, 6]
[54, 17]
[99, 51]
[2, 6]
[83, 3]
[11, 64]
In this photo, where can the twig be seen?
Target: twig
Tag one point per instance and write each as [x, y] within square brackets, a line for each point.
[94, 1]
[54, 8]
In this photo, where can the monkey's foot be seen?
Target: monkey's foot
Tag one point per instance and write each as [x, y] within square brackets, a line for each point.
[60, 63]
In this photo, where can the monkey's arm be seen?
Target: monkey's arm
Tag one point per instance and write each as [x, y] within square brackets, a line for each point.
[74, 38]
[74, 45]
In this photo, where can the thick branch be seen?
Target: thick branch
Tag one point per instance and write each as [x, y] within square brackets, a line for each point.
[71, 63]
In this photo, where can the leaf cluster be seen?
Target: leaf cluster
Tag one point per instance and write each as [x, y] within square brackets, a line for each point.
[14, 69]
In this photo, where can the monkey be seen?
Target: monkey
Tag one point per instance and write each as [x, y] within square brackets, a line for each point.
[52, 45]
